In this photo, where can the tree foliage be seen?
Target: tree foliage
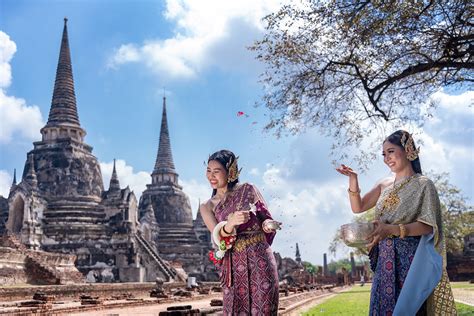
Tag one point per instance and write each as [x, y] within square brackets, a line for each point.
[458, 217]
[310, 268]
[349, 66]
[336, 266]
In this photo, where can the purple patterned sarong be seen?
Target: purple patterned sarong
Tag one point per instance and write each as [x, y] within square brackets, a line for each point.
[393, 260]
[249, 271]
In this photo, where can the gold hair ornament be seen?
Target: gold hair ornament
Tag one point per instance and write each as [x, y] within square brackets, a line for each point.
[233, 171]
[409, 145]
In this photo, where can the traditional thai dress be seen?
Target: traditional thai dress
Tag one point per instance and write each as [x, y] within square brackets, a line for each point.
[410, 273]
[248, 271]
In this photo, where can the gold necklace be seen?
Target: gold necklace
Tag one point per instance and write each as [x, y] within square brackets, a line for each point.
[392, 199]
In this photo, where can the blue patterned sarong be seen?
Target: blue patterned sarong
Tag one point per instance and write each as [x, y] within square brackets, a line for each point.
[391, 260]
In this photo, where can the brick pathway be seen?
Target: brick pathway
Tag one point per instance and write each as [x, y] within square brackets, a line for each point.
[144, 310]
[465, 296]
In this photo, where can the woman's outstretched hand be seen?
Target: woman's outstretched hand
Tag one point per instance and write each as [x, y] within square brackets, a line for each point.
[347, 171]
[238, 218]
[270, 225]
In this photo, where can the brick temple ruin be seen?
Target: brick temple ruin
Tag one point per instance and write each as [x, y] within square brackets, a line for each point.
[59, 215]
[460, 266]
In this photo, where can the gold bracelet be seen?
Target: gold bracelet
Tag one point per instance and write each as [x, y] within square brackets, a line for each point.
[403, 231]
[353, 193]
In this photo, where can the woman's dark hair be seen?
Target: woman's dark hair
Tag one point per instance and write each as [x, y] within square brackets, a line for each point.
[225, 158]
[396, 139]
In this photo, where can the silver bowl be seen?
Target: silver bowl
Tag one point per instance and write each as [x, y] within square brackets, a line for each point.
[355, 234]
[273, 225]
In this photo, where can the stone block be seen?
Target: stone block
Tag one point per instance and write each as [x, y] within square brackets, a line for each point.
[217, 302]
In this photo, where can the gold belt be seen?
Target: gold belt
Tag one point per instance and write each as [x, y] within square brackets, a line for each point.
[242, 243]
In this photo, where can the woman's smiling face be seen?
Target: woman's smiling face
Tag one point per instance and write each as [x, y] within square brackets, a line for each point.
[216, 174]
[394, 157]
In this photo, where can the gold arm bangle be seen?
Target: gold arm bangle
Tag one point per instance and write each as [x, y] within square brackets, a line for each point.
[403, 231]
[353, 193]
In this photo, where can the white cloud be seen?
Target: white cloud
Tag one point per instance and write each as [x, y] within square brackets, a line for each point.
[137, 181]
[452, 121]
[461, 103]
[5, 183]
[311, 212]
[254, 172]
[449, 139]
[7, 50]
[197, 192]
[433, 154]
[206, 33]
[126, 53]
[16, 117]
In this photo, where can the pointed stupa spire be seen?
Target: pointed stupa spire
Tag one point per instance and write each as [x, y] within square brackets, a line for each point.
[164, 170]
[31, 174]
[298, 255]
[63, 112]
[14, 177]
[164, 159]
[199, 219]
[14, 180]
[114, 181]
[63, 105]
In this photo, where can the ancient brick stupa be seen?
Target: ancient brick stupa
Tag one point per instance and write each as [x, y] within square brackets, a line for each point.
[176, 239]
[61, 206]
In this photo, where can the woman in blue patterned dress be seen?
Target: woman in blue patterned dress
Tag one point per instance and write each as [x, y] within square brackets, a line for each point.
[407, 248]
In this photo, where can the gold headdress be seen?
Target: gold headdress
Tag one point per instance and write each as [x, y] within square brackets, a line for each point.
[233, 173]
[409, 145]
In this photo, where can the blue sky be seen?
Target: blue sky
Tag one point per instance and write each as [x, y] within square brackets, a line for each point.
[126, 53]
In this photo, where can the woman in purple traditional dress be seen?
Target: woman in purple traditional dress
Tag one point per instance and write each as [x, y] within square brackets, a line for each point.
[407, 249]
[243, 228]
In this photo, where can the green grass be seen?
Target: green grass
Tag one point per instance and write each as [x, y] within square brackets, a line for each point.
[352, 302]
[356, 302]
[462, 285]
[464, 310]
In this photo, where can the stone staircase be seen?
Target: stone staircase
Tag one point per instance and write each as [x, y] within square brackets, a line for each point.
[178, 242]
[39, 273]
[176, 233]
[178, 239]
[162, 265]
[58, 266]
[45, 267]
